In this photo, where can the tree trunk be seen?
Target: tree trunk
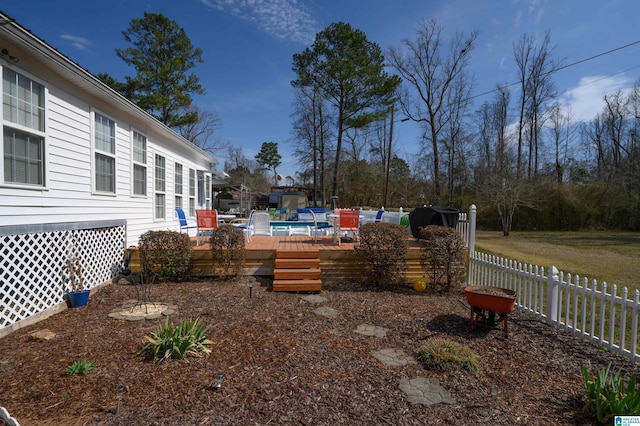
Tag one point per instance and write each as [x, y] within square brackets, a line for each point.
[436, 162]
[334, 186]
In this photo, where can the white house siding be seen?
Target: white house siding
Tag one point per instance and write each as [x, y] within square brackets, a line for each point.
[68, 195]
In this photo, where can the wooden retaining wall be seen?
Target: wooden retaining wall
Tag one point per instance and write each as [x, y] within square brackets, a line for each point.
[336, 262]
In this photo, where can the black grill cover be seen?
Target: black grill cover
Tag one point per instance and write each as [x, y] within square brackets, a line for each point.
[433, 215]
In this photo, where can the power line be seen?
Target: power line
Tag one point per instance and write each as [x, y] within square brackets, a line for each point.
[599, 79]
[590, 58]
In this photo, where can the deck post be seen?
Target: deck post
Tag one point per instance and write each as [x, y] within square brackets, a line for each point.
[553, 295]
[472, 229]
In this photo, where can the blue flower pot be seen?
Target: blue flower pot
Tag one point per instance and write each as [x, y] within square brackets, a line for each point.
[78, 298]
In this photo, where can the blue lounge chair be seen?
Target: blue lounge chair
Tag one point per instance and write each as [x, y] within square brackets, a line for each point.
[184, 225]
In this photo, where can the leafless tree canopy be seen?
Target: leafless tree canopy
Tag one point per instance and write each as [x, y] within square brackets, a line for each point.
[438, 84]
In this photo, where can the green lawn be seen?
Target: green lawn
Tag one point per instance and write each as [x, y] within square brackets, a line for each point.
[613, 257]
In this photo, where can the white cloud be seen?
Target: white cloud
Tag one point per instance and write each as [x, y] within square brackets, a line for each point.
[79, 43]
[587, 98]
[282, 19]
[536, 9]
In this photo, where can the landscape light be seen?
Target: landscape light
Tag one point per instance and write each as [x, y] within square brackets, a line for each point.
[119, 391]
[218, 383]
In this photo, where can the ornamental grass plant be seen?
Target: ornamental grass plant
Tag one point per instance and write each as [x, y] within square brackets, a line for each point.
[178, 341]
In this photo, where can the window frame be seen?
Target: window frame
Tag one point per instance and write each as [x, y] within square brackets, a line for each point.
[95, 152]
[39, 133]
[178, 184]
[192, 192]
[138, 164]
[159, 187]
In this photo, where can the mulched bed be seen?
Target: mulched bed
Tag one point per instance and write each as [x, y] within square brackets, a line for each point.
[284, 364]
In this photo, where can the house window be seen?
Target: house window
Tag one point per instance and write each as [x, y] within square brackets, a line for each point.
[178, 178]
[192, 206]
[105, 154]
[160, 187]
[178, 184]
[23, 135]
[139, 164]
[207, 191]
[192, 192]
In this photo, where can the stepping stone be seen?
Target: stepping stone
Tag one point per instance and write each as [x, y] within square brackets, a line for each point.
[425, 391]
[326, 312]
[314, 299]
[371, 330]
[42, 335]
[394, 357]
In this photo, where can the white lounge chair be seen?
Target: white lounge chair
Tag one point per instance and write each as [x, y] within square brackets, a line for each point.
[318, 228]
[259, 224]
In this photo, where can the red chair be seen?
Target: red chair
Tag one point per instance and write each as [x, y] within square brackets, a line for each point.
[207, 221]
[349, 221]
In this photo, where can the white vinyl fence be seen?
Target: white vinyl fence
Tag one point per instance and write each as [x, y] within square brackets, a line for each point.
[467, 227]
[594, 312]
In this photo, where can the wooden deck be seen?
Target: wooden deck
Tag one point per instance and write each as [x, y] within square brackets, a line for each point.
[336, 261]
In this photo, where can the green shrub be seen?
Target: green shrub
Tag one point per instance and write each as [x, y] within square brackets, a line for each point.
[165, 254]
[445, 354]
[227, 244]
[609, 395]
[383, 248]
[443, 257]
[178, 341]
[80, 366]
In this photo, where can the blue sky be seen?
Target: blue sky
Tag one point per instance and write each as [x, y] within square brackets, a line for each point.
[248, 47]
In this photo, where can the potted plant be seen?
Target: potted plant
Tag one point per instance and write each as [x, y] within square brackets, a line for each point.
[78, 296]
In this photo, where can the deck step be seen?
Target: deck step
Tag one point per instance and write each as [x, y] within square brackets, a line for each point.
[297, 263]
[297, 270]
[296, 274]
[297, 254]
[297, 285]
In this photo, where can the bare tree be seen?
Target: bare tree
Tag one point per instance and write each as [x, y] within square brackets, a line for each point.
[614, 115]
[432, 71]
[454, 136]
[203, 132]
[593, 135]
[496, 177]
[522, 54]
[633, 149]
[492, 131]
[562, 131]
[311, 133]
[535, 67]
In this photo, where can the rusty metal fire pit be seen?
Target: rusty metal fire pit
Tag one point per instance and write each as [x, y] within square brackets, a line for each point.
[489, 305]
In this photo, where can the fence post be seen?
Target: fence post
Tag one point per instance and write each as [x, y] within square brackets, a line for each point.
[553, 295]
[472, 229]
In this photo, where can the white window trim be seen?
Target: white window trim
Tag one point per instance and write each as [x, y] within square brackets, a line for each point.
[207, 190]
[94, 191]
[177, 194]
[44, 134]
[156, 191]
[175, 181]
[192, 200]
[137, 163]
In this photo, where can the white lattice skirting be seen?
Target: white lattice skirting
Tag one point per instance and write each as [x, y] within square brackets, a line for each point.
[33, 268]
